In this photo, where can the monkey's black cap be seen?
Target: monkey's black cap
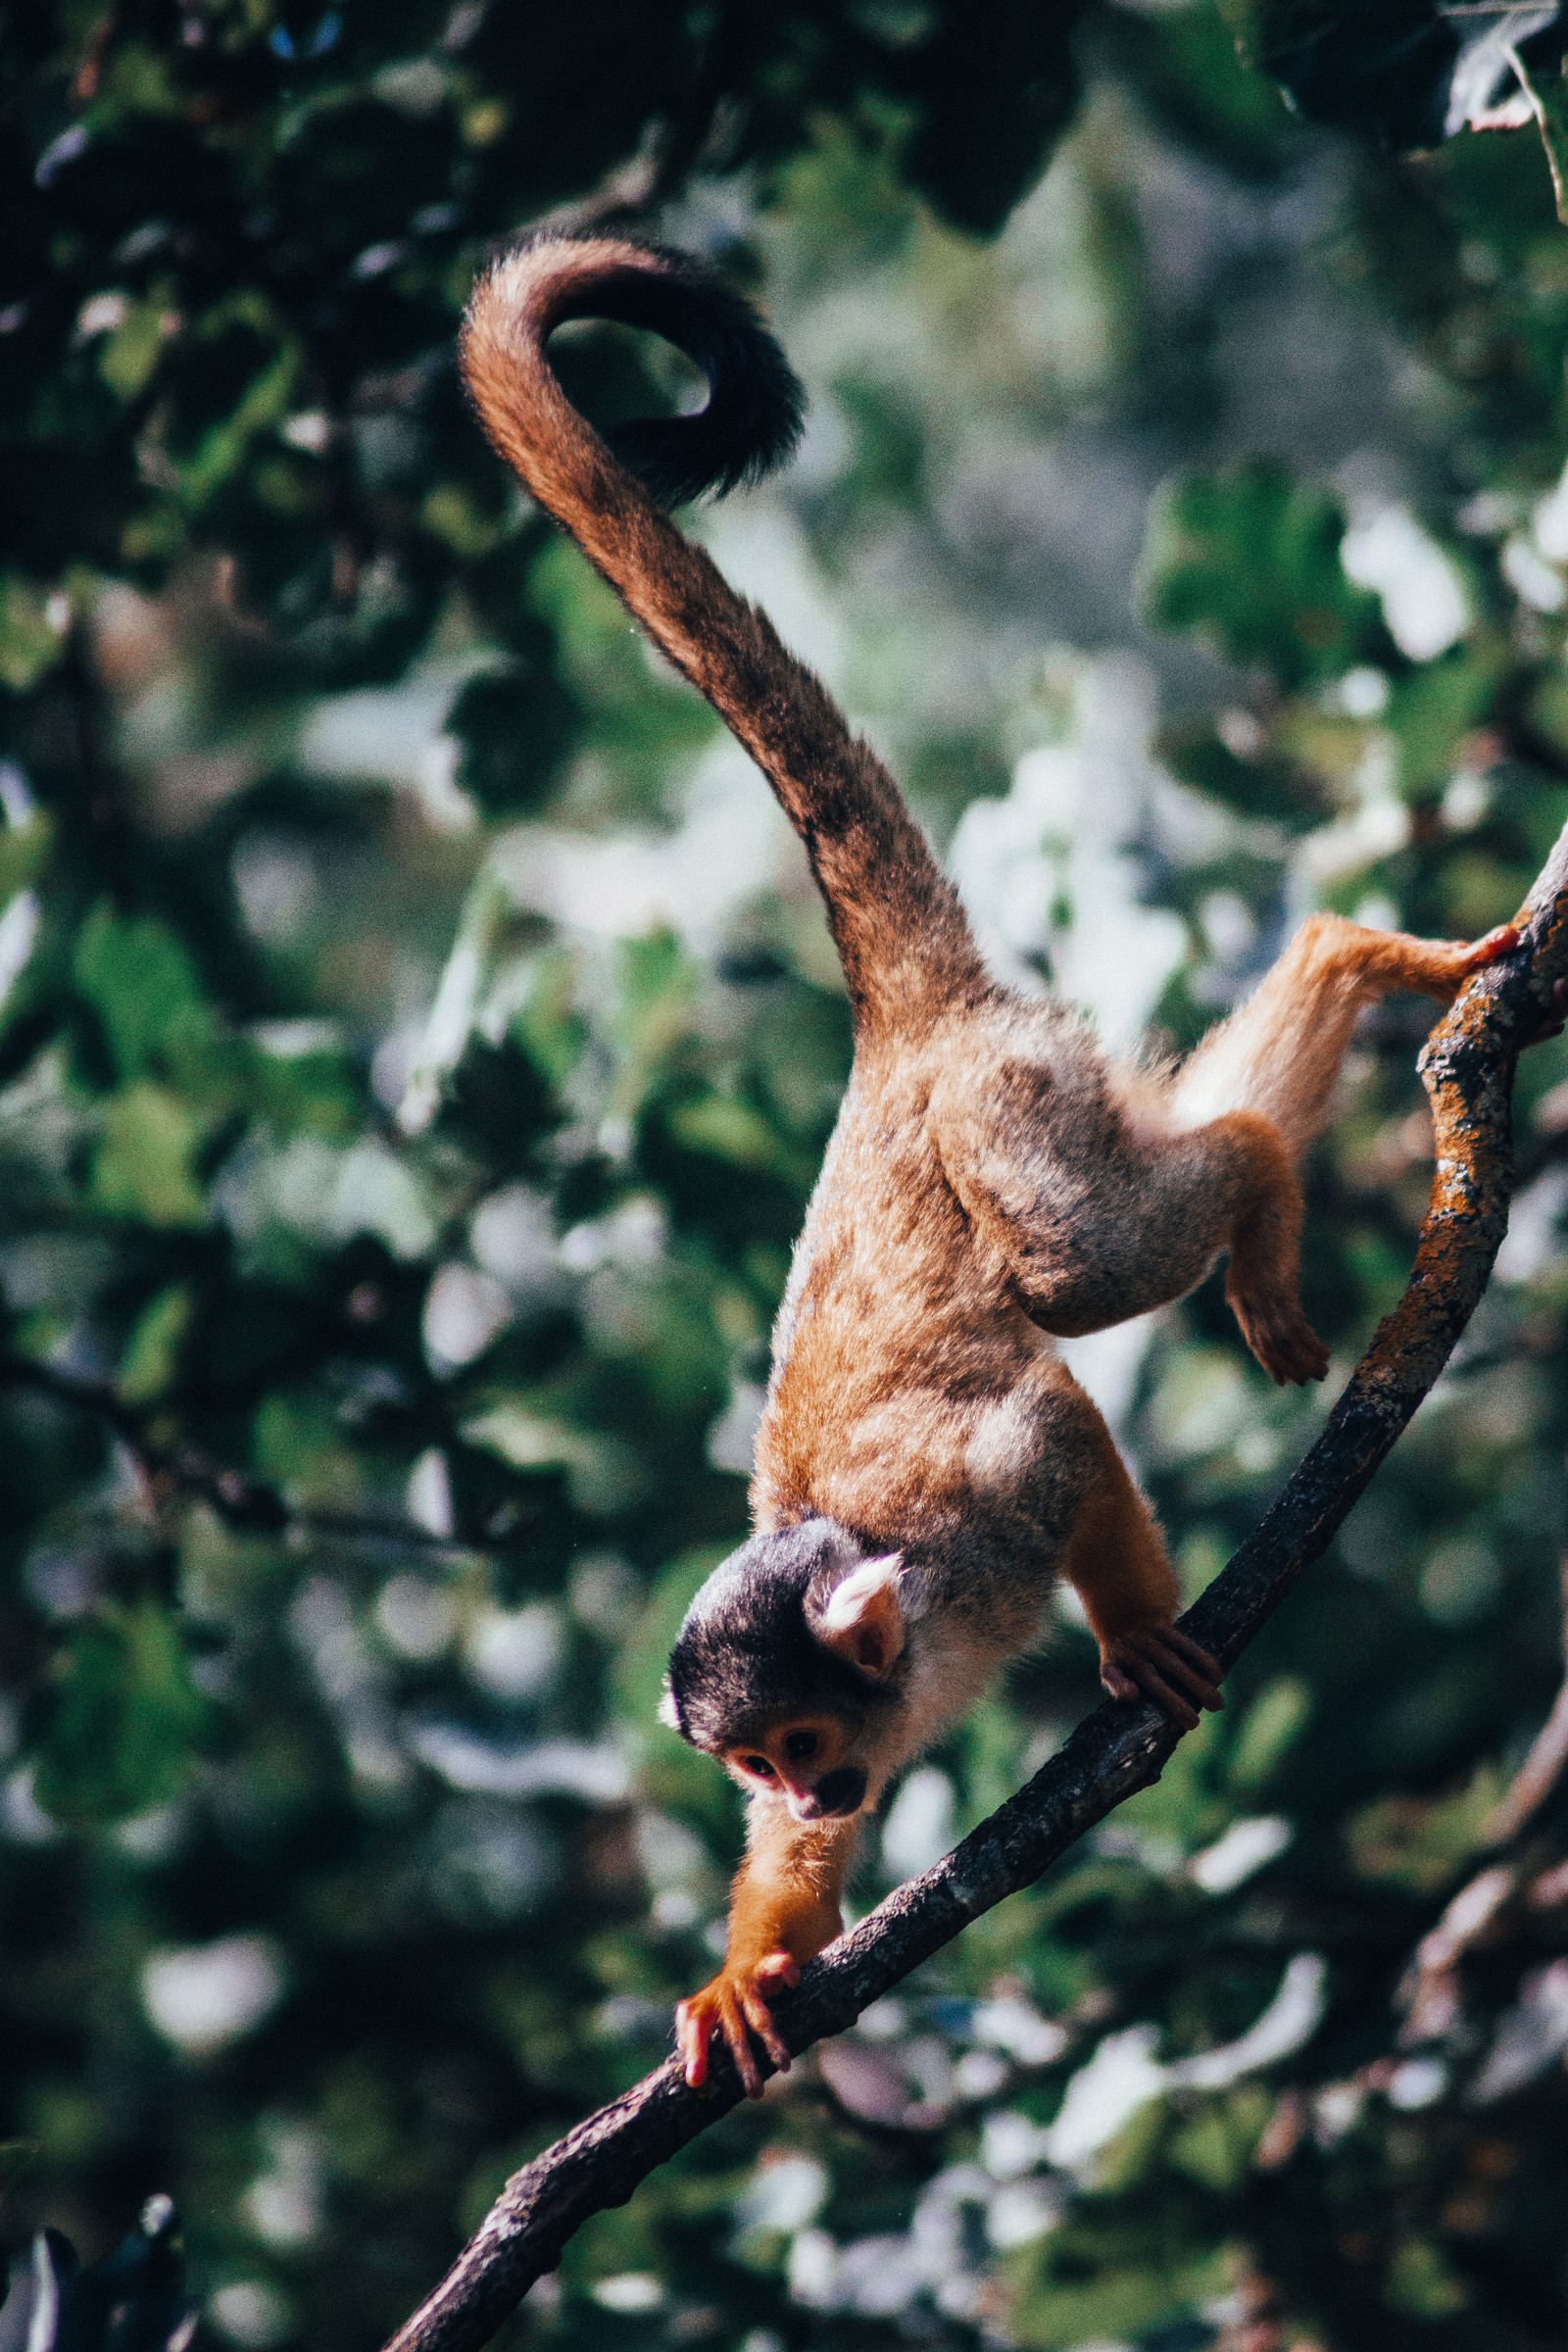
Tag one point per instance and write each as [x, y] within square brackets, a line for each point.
[747, 1652]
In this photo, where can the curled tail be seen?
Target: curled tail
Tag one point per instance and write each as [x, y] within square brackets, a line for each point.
[895, 920]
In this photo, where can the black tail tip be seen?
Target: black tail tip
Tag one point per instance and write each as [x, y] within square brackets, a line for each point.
[755, 406]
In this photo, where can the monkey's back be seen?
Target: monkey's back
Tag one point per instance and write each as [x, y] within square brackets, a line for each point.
[912, 1399]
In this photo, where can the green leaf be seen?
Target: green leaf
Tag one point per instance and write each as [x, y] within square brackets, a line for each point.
[128, 357]
[296, 1441]
[143, 1166]
[1251, 560]
[516, 728]
[1279, 791]
[1431, 711]
[126, 1718]
[313, 1092]
[720, 1128]
[452, 516]
[24, 851]
[1394, 73]
[1419, 1843]
[151, 1363]
[1420, 2281]
[30, 643]
[142, 984]
[657, 981]
[673, 1774]
[1214, 2146]
[1085, 2286]
[1270, 1728]
[549, 1027]
[223, 448]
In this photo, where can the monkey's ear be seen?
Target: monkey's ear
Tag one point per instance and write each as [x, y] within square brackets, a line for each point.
[669, 1711]
[861, 1619]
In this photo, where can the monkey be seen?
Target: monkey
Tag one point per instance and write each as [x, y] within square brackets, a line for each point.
[926, 1466]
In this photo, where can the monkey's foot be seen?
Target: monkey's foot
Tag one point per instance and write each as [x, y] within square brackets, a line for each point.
[1278, 1333]
[735, 2005]
[1163, 1663]
[1440, 967]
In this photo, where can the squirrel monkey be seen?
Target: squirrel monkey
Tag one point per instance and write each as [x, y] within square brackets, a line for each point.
[926, 1465]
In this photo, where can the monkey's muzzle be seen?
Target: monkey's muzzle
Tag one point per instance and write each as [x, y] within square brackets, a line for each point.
[836, 1793]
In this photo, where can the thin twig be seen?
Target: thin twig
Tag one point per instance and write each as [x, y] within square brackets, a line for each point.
[248, 1505]
[1467, 1068]
[676, 143]
[1497, 1900]
[1541, 1771]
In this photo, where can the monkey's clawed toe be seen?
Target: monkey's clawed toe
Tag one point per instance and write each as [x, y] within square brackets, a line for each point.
[1502, 941]
[1443, 966]
[1282, 1338]
[1163, 1663]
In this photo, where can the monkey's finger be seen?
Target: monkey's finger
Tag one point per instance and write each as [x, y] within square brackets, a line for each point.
[760, 2018]
[1194, 1651]
[1200, 1681]
[696, 2044]
[1201, 1688]
[1175, 1676]
[1149, 1682]
[1118, 1684]
[733, 2021]
[691, 2040]
[1163, 1645]
[1153, 1685]
[777, 1968]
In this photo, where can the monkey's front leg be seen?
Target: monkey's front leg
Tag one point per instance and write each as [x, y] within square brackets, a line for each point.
[784, 1908]
[1117, 1560]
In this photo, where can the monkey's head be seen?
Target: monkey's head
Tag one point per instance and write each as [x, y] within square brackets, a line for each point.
[787, 1668]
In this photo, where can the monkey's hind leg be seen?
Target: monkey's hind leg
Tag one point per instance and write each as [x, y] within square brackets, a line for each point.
[1279, 1054]
[1262, 1080]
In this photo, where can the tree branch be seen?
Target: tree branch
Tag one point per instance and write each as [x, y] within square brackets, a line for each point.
[1539, 1776]
[249, 1506]
[1467, 1068]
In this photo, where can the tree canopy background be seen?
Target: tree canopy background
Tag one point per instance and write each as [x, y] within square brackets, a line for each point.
[417, 1037]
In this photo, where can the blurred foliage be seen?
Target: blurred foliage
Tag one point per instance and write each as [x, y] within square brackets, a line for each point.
[417, 1039]
[132, 2302]
[1405, 73]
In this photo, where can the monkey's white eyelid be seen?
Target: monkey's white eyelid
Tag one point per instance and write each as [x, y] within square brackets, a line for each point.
[667, 1710]
[847, 1601]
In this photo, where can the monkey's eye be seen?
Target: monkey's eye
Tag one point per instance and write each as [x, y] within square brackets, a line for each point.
[799, 1746]
[758, 1766]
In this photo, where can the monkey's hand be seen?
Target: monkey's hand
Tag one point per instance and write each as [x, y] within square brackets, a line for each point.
[1163, 1663]
[784, 1909]
[735, 2005]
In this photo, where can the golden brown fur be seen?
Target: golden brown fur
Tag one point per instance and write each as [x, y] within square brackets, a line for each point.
[994, 1180]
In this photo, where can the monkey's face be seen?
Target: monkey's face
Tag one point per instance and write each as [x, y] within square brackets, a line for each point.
[787, 1669]
[810, 1760]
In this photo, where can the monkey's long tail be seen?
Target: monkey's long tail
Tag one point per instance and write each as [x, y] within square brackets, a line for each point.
[899, 931]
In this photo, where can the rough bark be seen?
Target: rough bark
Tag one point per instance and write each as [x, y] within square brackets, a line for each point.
[1467, 1068]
